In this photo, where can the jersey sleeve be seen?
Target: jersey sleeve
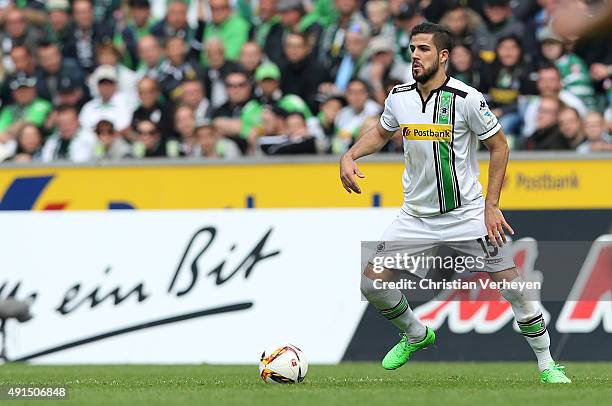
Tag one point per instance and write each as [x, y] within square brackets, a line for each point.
[387, 118]
[480, 118]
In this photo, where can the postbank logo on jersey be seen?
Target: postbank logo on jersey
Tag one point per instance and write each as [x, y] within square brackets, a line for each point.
[427, 132]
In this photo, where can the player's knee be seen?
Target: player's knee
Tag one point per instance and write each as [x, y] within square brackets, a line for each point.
[367, 285]
[524, 307]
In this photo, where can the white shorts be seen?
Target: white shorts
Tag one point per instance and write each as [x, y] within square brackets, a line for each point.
[463, 230]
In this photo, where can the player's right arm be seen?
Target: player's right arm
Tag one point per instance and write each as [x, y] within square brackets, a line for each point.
[370, 142]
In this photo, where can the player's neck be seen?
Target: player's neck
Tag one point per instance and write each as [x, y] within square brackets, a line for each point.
[432, 84]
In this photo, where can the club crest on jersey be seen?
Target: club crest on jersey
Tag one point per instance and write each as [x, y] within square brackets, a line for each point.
[427, 132]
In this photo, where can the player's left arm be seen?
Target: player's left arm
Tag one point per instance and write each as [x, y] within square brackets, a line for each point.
[498, 160]
[487, 129]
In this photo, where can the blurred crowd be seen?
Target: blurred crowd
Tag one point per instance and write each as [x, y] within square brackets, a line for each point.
[82, 80]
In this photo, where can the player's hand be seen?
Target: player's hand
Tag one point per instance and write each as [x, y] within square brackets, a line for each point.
[496, 223]
[348, 170]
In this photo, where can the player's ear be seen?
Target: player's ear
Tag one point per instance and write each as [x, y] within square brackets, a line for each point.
[444, 55]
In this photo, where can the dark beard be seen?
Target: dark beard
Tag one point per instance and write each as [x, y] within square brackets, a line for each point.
[427, 74]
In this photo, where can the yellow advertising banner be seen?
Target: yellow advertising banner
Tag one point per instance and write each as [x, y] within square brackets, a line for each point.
[555, 184]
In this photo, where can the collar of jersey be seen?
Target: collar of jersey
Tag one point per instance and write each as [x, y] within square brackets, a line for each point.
[437, 89]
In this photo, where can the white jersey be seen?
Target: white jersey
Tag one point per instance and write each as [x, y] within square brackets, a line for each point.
[440, 144]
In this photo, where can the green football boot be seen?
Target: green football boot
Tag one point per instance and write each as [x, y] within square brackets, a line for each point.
[554, 374]
[401, 352]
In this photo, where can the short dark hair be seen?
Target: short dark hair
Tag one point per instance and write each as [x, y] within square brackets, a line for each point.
[546, 65]
[104, 125]
[64, 108]
[301, 35]
[238, 70]
[45, 43]
[365, 84]
[442, 37]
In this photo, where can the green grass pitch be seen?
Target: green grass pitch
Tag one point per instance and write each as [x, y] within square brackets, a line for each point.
[416, 383]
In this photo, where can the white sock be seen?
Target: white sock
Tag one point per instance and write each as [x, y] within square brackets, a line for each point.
[537, 337]
[541, 348]
[529, 318]
[392, 304]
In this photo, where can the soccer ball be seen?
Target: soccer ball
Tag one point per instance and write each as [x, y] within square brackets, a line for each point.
[283, 363]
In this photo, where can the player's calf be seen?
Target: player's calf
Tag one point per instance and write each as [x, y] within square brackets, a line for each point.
[393, 305]
[528, 315]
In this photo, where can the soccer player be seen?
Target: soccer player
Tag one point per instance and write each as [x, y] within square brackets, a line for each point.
[442, 120]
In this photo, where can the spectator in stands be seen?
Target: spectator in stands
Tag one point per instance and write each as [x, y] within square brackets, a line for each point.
[226, 25]
[549, 84]
[71, 92]
[597, 137]
[250, 57]
[192, 95]
[330, 108]
[23, 60]
[137, 24]
[140, 20]
[296, 138]
[16, 32]
[59, 25]
[507, 78]
[53, 69]
[175, 24]
[406, 18]
[379, 18]
[570, 126]
[267, 21]
[353, 60]
[350, 119]
[184, 124]
[301, 74]
[29, 144]
[110, 144]
[151, 57]
[464, 66]
[273, 124]
[109, 104]
[268, 92]
[546, 134]
[151, 108]
[27, 107]
[226, 118]
[70, 141]
[107, 54]
[540, 21]
[333, 40]
[325, 50]
[500, 22]
[81, 42]
[211, 145]
[149, 142]
[293, 19]
[24, 65]
[383, 66]
[466, 26]
[574, 72]
[177, 68]
[215, 73]
[104, 10]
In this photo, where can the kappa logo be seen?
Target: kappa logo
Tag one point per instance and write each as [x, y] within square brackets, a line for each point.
[483, 105]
